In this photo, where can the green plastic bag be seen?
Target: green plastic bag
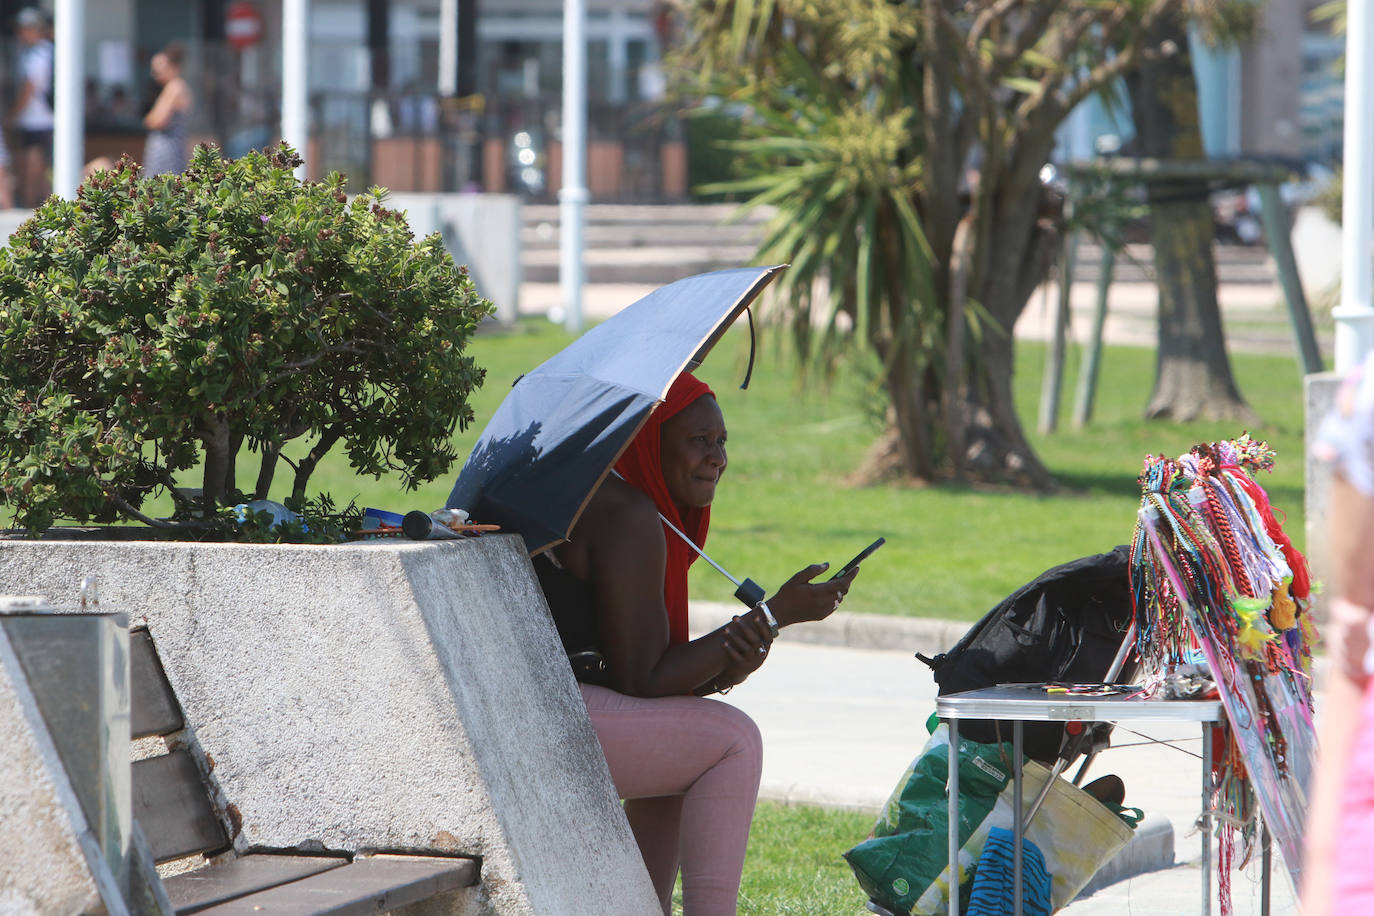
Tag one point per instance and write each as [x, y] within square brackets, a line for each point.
[903, 866]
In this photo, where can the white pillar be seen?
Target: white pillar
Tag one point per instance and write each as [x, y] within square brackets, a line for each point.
[1355, 315]
[617, 57]
[69, 132]
[572, 197]
[448, 47]
[295, 73]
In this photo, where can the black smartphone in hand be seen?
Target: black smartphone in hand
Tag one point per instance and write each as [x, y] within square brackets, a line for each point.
[863, 555]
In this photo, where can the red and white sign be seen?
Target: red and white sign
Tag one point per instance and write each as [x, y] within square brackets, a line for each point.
[242, 25]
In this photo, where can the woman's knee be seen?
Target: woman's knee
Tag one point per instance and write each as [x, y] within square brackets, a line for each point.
[745, 737]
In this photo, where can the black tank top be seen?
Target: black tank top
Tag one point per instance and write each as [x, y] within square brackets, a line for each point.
[572, 603]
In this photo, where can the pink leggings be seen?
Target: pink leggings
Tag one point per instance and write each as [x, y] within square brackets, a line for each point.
[1353, 890]
[688, 769]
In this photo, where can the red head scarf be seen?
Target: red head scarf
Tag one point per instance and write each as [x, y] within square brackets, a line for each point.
[642, 467]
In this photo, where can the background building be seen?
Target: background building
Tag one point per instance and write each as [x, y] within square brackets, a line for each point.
[436, 95]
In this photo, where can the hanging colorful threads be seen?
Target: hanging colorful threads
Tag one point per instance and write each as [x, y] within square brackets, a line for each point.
[1215, 577]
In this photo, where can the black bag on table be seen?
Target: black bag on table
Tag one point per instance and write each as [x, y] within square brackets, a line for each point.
[1065, 626]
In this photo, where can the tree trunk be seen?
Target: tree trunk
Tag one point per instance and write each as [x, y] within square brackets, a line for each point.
[219, 460]
[961, 424]
[328, 437]
[266, 470]
[1192, 370]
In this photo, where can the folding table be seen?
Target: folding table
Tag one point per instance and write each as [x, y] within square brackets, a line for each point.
[1033, 702]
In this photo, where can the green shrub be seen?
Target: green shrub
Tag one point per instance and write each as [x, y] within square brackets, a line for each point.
[157, 322]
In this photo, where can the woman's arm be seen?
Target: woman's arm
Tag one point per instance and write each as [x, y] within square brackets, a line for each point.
[619, 547]
[1346, 633]
[170, 100]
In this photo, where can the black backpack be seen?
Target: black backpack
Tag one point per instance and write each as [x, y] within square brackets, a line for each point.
[1065, 626]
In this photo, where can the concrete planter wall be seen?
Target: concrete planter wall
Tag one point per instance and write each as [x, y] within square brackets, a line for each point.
[389, 695]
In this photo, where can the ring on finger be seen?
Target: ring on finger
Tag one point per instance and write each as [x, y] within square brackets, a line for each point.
[763, 650]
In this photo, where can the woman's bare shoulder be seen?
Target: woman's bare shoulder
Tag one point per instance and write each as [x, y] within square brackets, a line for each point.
[617, 504]
[618, 518]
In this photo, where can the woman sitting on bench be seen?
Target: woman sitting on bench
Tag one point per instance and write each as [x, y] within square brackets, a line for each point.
[687, 767]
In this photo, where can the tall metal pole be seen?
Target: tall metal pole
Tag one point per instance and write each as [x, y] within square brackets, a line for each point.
[69, 77]
[295, 73]
[572, 196]
[1355, 315]
[448, 48]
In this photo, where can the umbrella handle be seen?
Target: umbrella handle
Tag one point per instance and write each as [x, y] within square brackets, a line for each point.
[750, 592]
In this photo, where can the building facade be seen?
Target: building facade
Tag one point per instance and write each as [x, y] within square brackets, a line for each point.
[467, 94]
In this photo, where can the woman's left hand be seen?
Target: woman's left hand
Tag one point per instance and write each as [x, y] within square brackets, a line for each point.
[801, 600]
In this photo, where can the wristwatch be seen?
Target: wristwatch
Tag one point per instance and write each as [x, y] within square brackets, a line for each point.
[768, 616]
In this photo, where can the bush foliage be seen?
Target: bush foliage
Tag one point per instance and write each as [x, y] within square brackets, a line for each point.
[157, 322]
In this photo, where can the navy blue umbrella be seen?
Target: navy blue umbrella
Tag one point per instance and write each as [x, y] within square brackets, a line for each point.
[555, 436]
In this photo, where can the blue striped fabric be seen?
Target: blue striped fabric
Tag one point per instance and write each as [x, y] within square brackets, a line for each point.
[992, 882]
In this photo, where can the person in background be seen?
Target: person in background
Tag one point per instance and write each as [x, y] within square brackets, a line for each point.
[1340, 824]
[6, 184]
[168, 121]
[32, 116]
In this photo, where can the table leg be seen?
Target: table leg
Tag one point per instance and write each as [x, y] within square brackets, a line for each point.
[1018, 818]
[1206, 821]
[953, 789]
[1266, 846]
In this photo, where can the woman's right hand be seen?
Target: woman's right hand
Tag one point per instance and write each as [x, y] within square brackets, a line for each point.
[802, 600]
[747, 642]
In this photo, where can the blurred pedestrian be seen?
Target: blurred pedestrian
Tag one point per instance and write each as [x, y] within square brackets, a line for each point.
[1340, 825]
[32, 114]
[168, 121]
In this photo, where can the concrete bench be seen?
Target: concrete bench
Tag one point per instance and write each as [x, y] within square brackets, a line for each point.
[388, 697]
[175, 811]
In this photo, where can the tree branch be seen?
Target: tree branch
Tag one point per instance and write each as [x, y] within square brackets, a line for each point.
[123, 506]
[943, 161]
[1043, 110]
[994, 13]
[1024, 39]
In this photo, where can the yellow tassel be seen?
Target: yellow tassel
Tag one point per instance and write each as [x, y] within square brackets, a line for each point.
[1251, 636]
[1284, 612]
[1252, 640]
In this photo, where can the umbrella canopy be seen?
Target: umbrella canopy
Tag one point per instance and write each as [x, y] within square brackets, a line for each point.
[556, 435]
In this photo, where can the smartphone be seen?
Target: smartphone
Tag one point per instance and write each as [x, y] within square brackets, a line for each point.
[863, 555]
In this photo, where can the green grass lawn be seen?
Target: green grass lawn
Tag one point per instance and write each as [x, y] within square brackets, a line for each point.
[952, 551]
[794, 867]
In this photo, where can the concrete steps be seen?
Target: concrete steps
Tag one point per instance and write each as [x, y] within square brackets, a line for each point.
[656, 244]
[651, 244]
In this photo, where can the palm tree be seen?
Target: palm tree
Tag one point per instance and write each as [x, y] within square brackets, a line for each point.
[901, 143]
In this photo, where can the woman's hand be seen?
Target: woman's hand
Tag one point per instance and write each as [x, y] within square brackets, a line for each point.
[801, 600]
[747, 642]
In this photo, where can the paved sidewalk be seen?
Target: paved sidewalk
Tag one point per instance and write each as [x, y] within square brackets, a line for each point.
[840, 725]
[1256, 317]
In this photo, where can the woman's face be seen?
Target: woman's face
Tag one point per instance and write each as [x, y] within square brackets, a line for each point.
[692, 445]
[161, 68]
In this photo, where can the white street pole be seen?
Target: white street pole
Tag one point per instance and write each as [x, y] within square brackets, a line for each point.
[295, 73]
[448, 47]
[68, 93]
[1355, 315]
[572, 196]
